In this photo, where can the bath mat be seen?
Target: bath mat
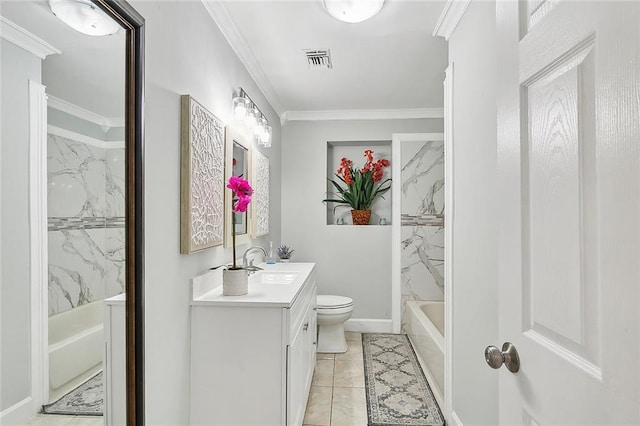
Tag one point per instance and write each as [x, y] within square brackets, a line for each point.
[397, 391]
[85, 400]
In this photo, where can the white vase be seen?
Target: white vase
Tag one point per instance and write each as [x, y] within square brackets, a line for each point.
[285, 260]
[235, 282]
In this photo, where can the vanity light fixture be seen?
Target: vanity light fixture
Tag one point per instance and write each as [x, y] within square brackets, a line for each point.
[84, 16]
[353, 11]
[245, 111]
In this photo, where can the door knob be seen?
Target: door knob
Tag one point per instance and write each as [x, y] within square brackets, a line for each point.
[508, 356]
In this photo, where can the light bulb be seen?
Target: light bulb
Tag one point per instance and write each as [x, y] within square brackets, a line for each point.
[240, 104]
[265, 137]
[259, 128]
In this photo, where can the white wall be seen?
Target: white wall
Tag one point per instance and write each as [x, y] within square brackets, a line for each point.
[475, 232]
[185, 54]
[353, 261]
[18, 67]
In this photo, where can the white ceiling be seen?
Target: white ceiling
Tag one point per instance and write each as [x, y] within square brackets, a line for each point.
[90, 71]
[390, 61]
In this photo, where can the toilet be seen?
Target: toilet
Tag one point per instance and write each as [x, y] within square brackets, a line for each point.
[332, 311]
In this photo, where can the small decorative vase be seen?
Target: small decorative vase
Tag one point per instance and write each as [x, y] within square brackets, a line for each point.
[235, 282]
[285, 260]
[360, 217]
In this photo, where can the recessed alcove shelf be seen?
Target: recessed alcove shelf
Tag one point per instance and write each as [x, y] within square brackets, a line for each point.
[354, 151]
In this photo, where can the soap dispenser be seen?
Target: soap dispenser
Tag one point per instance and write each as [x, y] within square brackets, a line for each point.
[270, 259]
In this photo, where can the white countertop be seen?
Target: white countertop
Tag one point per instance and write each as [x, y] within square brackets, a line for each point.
[207, 288]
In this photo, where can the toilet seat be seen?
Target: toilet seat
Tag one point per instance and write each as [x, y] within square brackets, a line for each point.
[327, 302]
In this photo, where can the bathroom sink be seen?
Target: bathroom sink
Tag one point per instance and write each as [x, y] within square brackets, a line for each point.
[264, 277]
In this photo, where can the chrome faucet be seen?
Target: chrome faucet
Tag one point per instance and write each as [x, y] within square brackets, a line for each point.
[248, 251]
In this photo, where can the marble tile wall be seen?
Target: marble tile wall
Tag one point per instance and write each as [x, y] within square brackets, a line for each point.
[422, 229]
[86, 223]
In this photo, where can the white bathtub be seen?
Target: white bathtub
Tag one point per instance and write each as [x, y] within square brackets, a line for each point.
[424, 324]
[76, 344]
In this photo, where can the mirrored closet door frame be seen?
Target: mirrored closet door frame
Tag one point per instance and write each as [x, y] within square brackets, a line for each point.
[133, 24]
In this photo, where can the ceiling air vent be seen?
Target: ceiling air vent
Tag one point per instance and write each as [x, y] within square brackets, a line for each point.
[318, 59]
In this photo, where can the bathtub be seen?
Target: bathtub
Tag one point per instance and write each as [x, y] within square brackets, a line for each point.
[76, 346]
[424, 324]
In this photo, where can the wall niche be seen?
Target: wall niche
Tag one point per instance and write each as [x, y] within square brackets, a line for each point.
[354, 151]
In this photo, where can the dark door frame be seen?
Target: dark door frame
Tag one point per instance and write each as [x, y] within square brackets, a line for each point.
[133, 24]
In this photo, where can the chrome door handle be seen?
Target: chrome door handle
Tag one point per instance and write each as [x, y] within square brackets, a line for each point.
[306, 327]
[508, 356]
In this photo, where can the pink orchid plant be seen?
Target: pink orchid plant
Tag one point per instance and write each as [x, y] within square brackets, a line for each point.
[242, 192]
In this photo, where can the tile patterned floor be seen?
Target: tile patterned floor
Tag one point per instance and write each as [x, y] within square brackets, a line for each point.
[337, 395]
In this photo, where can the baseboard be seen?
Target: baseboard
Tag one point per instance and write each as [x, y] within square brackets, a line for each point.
[19, 413]
[455, 420]
[365, 325]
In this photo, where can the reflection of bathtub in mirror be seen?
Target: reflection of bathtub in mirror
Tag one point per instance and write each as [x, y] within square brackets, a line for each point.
[425, 327]
[75, 347]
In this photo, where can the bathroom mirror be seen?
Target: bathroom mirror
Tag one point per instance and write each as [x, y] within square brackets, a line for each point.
[86, 137]
[236, 164]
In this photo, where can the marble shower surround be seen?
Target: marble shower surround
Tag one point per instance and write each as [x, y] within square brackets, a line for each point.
[422, 231]
[85, 223]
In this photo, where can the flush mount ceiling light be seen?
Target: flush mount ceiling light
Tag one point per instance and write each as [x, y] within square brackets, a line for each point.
[353, 11]
[84, 16]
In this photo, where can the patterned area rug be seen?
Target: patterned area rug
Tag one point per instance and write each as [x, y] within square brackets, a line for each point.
[85, 400]
[397, 391]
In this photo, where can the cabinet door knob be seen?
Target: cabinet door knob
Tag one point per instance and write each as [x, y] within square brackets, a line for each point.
[306, 327]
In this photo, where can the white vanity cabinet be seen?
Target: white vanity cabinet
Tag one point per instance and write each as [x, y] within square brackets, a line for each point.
[253, 356]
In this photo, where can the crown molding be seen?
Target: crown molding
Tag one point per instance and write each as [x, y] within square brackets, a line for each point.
[22, 38]
[84, 114]
[79, 137]
[450, 17]
[223, 20]
[363, 114]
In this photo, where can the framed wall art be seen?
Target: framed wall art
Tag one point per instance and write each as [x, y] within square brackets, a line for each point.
[201, 178]
[260, 205]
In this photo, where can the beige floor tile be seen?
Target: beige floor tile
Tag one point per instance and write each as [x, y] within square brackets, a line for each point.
[349, 374]
[349, 407]
[320, 355]
[50, 420]
[318, 411]
[354, 351]
[355, 336]
[323, 374]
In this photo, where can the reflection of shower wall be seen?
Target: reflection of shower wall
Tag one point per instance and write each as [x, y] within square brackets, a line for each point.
[86, 222]
[422, 230]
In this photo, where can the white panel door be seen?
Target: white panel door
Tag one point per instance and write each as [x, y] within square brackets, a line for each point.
[569, 160]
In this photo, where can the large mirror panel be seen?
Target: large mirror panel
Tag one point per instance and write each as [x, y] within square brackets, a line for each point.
[72, 170]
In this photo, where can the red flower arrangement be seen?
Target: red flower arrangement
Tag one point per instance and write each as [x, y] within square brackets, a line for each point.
[361, 190]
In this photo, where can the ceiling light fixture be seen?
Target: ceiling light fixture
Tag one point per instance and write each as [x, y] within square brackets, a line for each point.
[246, 112]
[353, 11]
[84, 16]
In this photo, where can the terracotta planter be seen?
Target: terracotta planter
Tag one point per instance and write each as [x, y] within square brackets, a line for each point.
[360, 217]
[235, 282]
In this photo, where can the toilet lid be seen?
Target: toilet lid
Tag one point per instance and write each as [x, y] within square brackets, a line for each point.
[326, 301]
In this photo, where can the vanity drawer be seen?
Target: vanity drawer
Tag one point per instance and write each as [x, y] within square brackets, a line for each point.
[298, 311]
